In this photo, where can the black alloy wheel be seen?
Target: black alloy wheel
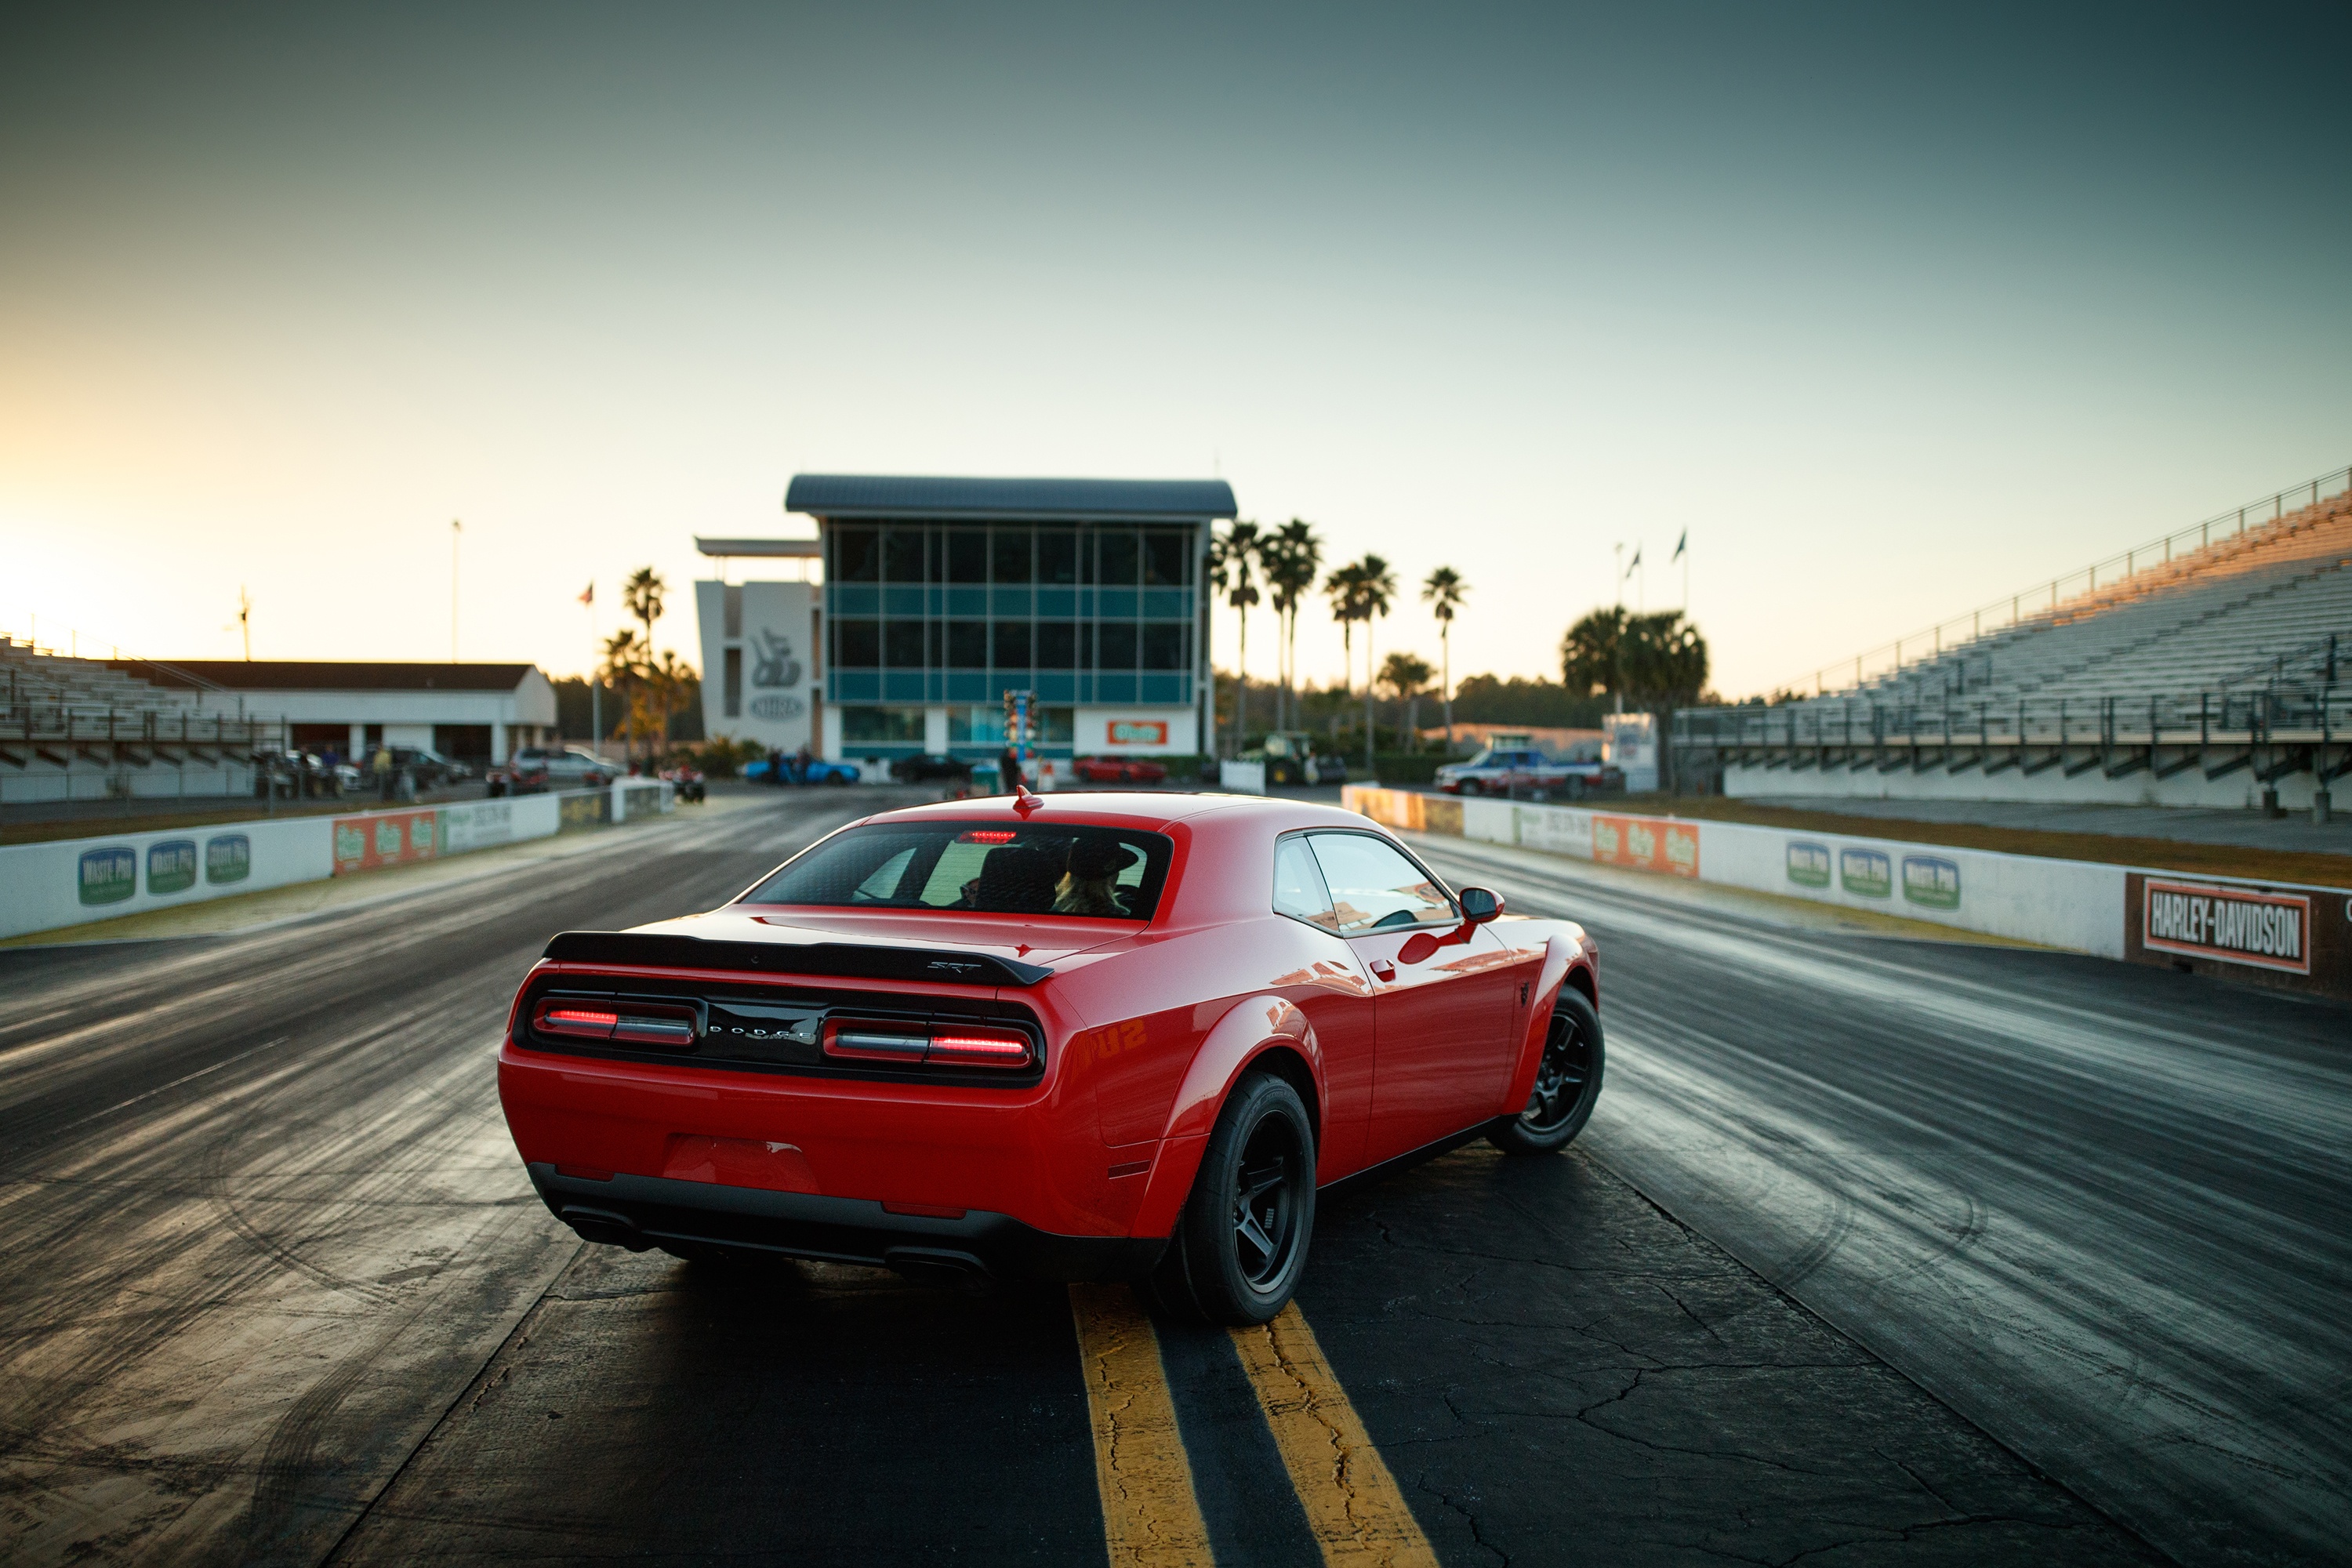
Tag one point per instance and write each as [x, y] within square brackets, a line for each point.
[1568, 1082]
[1241, 1243]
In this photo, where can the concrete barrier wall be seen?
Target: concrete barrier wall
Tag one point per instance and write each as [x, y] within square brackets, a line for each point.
[2072, 904]
[73, 881]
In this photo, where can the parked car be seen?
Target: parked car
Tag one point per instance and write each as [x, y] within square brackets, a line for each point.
[813, 771]
[912, 1043]
[930, 765]
[1521, 772]
[1118, 770]
[534, 770]
[295, 776]
[428, 767]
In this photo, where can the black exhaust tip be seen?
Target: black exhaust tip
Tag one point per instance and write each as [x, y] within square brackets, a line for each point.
[939, 1267]
[606, 1229]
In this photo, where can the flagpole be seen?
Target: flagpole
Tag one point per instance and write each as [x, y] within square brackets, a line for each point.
[595, 686]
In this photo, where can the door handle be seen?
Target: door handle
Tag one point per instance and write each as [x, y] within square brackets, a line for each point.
[1383, 970]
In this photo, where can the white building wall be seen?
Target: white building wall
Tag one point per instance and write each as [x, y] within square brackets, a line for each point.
[774, 646]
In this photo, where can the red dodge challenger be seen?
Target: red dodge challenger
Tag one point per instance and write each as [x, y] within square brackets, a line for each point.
[1096, 1037]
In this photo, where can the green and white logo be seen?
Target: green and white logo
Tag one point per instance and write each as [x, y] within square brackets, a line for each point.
[1809, 864]
[172, 865]
[387, 841]
[110, 875]
[1932, 881]
[228, 858]
[1866, 873]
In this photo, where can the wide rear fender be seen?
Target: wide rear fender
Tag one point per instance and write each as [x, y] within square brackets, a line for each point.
[1248, 1031]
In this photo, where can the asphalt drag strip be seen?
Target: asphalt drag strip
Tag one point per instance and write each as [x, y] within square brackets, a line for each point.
[274, 1288]
[2100, 1209]
[1494, 1360]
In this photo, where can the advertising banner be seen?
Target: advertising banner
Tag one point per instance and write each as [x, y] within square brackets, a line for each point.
[1647, 844]
[2229, 924]
[384, 838]
[70, 882]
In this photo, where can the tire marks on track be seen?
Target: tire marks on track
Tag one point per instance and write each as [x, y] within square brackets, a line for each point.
[262, 1217]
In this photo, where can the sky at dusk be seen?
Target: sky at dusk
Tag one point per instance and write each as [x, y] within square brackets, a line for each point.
[1894, 309]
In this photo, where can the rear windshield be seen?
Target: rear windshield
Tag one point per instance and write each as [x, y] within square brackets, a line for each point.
[1110, 873]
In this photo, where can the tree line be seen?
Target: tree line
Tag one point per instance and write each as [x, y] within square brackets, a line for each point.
[1609, 660]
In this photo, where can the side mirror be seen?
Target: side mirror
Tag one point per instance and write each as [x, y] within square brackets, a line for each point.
[1479, 906]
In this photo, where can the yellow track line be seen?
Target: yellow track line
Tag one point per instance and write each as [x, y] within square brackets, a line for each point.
[1150, 1517]
[1358, 1517]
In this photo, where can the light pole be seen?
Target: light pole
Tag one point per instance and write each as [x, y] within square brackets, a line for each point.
[456, 528]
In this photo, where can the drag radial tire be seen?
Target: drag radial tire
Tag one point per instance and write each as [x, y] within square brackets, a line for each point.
[1241, 1243]
[1568, 1080]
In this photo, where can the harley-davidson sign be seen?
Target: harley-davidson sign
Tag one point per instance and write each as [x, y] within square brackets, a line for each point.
[2235, 925]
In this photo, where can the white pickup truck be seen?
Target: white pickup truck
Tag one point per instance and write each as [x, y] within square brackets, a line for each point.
[1526, 772]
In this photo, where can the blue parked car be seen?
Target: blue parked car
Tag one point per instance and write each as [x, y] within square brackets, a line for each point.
[815, 771]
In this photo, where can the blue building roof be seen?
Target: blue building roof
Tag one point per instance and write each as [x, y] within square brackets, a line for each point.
[833, 496]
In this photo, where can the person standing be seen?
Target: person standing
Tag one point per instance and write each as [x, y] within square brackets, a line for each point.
[1008, 771]
[383, 767]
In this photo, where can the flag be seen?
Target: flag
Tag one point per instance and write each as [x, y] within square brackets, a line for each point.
[1677, 555]
[588, 595]
[1636, 563]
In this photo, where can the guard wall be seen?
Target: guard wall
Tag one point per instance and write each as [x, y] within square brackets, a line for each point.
[75, 881]
[2290, 935]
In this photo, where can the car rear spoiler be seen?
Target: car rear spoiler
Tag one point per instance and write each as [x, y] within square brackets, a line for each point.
[656, 950]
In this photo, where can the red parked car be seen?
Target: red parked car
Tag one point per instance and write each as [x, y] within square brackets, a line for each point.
[1092, 1036]
[1118, 770]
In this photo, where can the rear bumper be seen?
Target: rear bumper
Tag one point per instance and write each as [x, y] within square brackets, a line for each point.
[639, 1212]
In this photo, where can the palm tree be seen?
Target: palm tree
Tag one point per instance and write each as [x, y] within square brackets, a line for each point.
[1345, 588]
[1443, 594]
[1405, 675]
[1231, 556]
[1291, 557]
[642, 596]
[1377, 584]
[624, 666]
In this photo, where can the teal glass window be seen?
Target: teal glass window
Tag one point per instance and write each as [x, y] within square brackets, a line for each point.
[1009, 555]
[966, 553]
[857, 555]
[857, 644]
[887, 726]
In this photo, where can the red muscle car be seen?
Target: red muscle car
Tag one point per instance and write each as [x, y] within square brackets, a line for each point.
[1093, 1037]
[1118, 770]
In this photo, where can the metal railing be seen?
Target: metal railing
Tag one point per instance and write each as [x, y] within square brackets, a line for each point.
[2039, 603]
[2299, 714]
[69, 725]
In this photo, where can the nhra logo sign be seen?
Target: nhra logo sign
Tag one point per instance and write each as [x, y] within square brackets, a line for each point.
[2235, 925]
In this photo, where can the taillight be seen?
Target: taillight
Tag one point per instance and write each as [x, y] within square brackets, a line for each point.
[943, 1045]
[981, 1049]
[581, 1022]
[664, 1025]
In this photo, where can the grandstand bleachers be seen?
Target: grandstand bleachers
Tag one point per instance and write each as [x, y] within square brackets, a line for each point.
[2215, 677]
[78, 728]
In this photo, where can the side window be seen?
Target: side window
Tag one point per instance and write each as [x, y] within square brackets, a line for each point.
[1298, 890]
[1375, 888]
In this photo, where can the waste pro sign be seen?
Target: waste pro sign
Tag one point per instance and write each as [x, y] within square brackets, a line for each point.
[1646, 843]
[2234, 925]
